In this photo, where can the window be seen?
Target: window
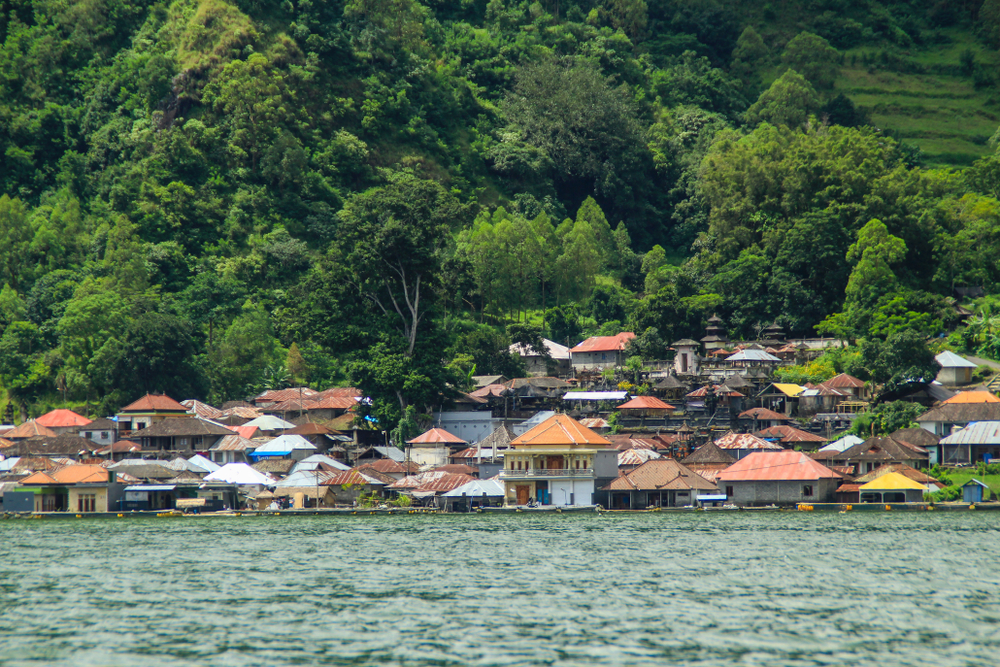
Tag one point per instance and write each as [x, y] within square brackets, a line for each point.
[104, 435]
[86, 502]
[182, 442]
[729, 491]
[807, 490]
[88, 435]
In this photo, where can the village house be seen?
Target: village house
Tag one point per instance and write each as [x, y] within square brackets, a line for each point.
[557, 364]
[185, 434]
[979, 441]
[101, 431]
[600, 352]
[790, 437]
[778, 478]
[761, 418]
[892, 488]
[686, 358]
[708, 461]
[657, 483]
[955, 370]
[943, 419]
[72, 488]
[433, 448]
[554, 464]
[878, 451]
[63, 421]
[146, 411]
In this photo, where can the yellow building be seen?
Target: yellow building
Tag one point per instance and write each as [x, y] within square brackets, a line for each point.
[552, 464]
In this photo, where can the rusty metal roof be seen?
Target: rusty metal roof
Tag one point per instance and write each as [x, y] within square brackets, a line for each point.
[28, 429]
[783, 466]
[634, 457]
[844, 381]
[745, 441]
[435, 481]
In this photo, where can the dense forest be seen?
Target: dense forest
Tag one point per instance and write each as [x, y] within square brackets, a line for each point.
[209, 198]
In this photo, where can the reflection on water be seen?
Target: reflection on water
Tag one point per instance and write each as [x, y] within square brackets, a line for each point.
[694, 589]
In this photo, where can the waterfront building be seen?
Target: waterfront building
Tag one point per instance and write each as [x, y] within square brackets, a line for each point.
[778, 478]
[892, 488]
[72, 488]
[553, 464]
[658, 483]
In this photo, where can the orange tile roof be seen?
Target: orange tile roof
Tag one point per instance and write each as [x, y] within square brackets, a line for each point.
[4, 443]
[436, 436]
[62, 418]
[787, 466]
[247, 432]
[29, 429]
[605, 343]
[645, 402]
[154, 403]
[74, 474]
[560, 430]
[973, 397]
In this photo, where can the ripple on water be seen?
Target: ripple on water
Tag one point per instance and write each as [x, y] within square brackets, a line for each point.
[699, 589]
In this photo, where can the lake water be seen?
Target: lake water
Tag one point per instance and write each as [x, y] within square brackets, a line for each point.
[656, 589]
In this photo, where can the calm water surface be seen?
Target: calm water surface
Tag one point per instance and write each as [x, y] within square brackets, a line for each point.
[702, 589]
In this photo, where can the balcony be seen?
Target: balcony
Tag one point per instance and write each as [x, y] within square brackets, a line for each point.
[545, 473]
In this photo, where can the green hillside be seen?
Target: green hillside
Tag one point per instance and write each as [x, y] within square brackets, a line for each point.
[211, 197]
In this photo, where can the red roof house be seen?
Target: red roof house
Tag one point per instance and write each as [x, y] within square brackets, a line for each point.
[778, 478]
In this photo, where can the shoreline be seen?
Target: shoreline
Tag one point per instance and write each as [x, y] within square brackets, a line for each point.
[841, 508]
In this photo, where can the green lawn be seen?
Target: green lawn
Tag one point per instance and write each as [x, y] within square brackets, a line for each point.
[958, 478]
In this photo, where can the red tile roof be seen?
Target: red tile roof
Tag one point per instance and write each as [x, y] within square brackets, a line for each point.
[154, 403]
[784, 466]
[62, 418]
[605, 343]
[560, 430]
[489, 390]
[436, 436]
[645, 403]
[659, 474]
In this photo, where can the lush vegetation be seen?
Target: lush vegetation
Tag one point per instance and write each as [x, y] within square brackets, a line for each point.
[207, 198]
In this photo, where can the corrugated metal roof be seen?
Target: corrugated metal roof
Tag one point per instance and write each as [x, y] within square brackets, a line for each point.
[477, 487]
[645, 403]
[976, 433]
[949, 359]
[745, 441]
[789, 434]
[634, 457]
[753, 355]
[776, 467]
[555, 350]
[605, 343]
[435, 481]
[595, 396]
